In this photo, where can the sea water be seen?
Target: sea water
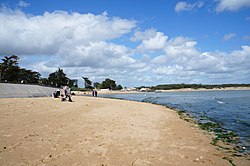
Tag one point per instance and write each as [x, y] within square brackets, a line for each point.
[229, 108]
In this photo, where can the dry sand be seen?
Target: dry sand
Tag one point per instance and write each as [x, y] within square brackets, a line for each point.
[96, 131]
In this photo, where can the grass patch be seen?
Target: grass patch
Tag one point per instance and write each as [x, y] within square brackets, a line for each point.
[230, 160]
[209, 126]
[183, 115]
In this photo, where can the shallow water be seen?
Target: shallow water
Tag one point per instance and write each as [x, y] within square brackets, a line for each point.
[230, 108]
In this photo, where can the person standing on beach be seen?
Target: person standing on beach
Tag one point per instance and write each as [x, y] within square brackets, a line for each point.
[95, 93]
[62, 92]
[68, 93]
[65, 93]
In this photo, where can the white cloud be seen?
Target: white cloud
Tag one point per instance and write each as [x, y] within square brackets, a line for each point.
[183, 62]
[83, 45]
[23, 4]
[232, 5]
[184, 6]
[152, 40]
[181, 46]
[145, 35]
[161, 59]
[42, 67]
[177, 49]
[168, 70]
[97, 54]
[50, 32]
[229, 36]
[239, 59]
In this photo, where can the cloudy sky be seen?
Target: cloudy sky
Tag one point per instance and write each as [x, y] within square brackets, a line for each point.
[135, 42]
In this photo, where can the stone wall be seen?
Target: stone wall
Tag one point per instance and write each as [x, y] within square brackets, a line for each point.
[23, 90]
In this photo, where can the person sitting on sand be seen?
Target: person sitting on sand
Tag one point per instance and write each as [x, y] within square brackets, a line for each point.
[56, 94]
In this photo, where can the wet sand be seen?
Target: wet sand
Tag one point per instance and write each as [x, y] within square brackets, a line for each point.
[97, 131]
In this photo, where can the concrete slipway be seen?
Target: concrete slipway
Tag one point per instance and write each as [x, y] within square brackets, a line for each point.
[23, 90]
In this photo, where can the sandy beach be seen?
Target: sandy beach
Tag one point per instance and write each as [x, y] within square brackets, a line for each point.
[97, 131]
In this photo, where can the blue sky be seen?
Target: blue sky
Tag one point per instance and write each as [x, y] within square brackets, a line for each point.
[134, 42]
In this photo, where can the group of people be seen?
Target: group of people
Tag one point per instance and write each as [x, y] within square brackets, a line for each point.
[64, 92]
[94, 93]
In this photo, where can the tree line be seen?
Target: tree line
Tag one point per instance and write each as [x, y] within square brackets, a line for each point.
[10, 72]
[106, 84]
[193, 86]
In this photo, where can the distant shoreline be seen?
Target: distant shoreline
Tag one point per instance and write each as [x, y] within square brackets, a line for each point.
[203, 89]
[80, 93]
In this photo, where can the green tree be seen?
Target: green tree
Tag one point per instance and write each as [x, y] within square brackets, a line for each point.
[9, 69]
[119, 87]
[109, 84]
[11, 72]
[28, 76]
[97, 85]
[58, 78]
[73, 83]
[87, 82]
[44, 81]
